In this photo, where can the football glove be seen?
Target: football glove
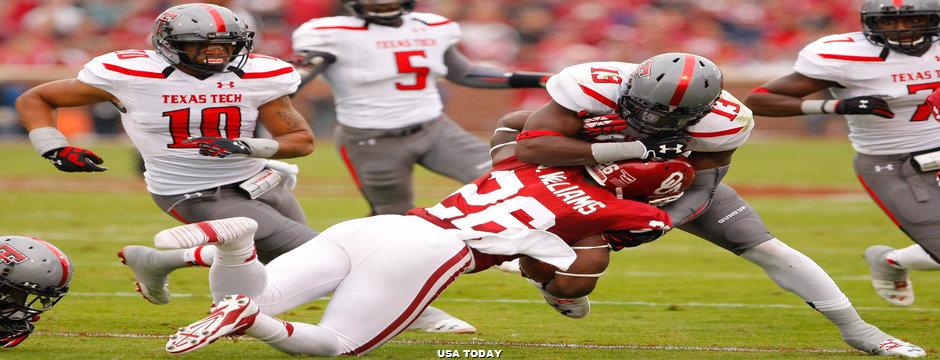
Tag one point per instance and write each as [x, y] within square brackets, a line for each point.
[619, 239]
[74, 159]
[603, 128]
[13, 333]
[865, 105]
[666, 147]
[219, 147]
[933, 100]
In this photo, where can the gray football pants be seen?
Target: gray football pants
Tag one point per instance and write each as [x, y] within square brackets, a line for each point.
[909, 198]
[281, 221]
[381, 161]
[729, 222]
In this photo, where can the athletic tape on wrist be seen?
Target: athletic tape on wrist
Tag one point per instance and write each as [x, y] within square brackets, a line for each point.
[818, 106]
[615, 151]
[48, 138]
[579, 275]
[261, 147]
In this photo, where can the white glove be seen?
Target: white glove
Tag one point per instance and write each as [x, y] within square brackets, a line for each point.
[288, 172]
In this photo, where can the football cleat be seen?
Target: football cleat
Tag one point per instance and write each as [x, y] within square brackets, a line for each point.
[434, 320]
[213, 232]
[573, 308]
[233, 314]
[890, 283]
[150, 279]
[895, 347]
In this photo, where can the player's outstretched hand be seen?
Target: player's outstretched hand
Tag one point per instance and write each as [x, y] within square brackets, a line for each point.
[866, 105]
[74, 159]
[603, 127]
[219, 147]
[665, 147]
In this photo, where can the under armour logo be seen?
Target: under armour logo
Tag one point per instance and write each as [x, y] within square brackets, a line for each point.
[192, 195]
[889, 167]
[665, 149]
[220, 84]
[863, 104]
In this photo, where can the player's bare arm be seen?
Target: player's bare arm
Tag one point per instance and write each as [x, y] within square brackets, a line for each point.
[548, 138]
[580, 278]
[288, 127]
[462, 71]
[36, 110]
[784, 97]
[310, 64]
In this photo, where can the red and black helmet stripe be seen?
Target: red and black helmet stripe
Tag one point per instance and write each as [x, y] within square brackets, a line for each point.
[688, 69]
[217, 17]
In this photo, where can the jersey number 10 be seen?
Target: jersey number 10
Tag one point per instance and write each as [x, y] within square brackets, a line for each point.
[209, 126]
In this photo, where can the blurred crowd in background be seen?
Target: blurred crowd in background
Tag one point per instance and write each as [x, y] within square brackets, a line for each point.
[751, 37]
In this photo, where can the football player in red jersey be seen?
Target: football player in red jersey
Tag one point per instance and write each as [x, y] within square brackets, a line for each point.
[670, 104]
[879, 79]
[383, 270]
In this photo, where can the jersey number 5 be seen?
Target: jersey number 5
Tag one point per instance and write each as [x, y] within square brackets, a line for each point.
[504, 210]
[403, 59]
[209, 126]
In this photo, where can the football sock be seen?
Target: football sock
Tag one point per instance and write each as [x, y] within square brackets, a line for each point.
[199, 256]
[912, 257]
[294, 338]
[236, 269]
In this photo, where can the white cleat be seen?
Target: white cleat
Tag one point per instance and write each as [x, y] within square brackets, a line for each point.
[574, 308]
[895, 347]
[150, 280]
[434, 320]
[213, 232]
[233, 314]
[890, 283]
[511, 266]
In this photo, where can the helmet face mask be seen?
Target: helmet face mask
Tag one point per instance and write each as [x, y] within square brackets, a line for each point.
[909, 29]
[380, 12]
[34, 276]
[668, 93]
[183, 34]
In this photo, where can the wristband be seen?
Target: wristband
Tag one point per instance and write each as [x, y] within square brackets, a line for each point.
[609, 152]
[261, 147]
[819, 106]
[46, 139]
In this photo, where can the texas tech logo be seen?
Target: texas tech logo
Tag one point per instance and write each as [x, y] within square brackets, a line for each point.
[168, 16]
[9, 255]
[645, 69]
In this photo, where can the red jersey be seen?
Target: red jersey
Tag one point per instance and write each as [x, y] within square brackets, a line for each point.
[517, 195]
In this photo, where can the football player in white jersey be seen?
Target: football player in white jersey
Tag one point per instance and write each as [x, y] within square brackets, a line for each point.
[879, 79]
[190, 107]
[661, 108]
[382, 63]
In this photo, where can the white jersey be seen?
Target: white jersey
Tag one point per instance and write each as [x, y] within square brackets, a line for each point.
[165, 106]
[384, 77]
[596, 87]
[863, 68]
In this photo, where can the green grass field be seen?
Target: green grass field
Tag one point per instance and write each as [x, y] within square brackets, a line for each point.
[679, 297]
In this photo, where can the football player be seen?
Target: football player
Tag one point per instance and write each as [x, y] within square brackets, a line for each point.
[383, 270]
[670, 104]
[879, 79]
[190, 106]
[382, 63]
[34, 276]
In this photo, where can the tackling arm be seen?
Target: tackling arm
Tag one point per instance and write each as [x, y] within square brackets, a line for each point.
[462, 71]
[581, 277]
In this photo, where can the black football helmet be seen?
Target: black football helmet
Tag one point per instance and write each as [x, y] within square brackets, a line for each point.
[34, 276]
[910, 41]
[202, 24]
[357, 9]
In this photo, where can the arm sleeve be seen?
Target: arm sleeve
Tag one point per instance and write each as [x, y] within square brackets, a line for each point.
[462, 71]
[697, 197]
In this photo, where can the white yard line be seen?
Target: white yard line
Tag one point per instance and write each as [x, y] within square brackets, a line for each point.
[512, 344]
[593, 302]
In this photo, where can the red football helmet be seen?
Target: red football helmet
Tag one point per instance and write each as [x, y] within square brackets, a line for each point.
[656, 182]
